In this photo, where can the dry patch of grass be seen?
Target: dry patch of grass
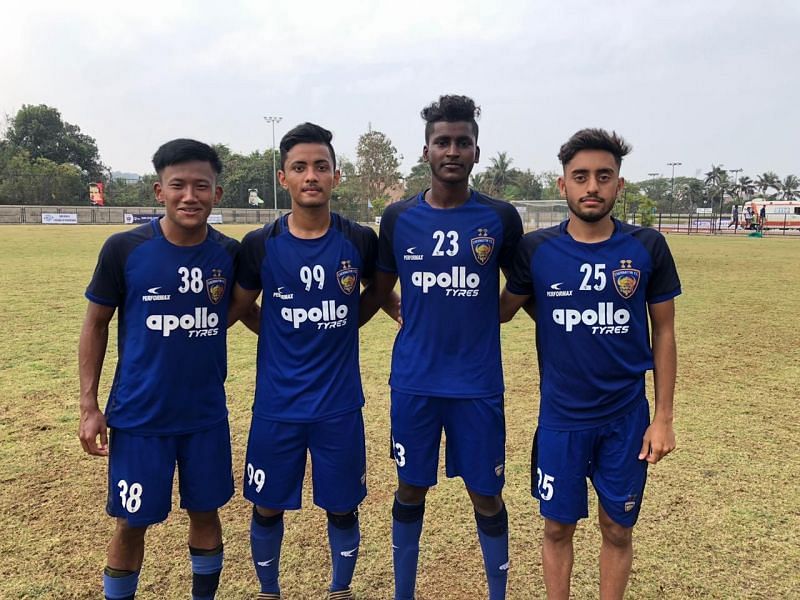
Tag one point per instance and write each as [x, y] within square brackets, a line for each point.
[720, 520]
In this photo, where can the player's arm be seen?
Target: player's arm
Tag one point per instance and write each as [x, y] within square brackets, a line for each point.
[529, 306]
[659, 439]
[244, 308]
[379, 293]
[511, 303]
[91, 353]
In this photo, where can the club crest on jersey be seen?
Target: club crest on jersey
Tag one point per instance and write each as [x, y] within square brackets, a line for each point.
[482, 246]
[215, 286]
[626, 279]
[347, 277]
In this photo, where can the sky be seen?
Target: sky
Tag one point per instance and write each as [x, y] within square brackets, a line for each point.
[689, 81]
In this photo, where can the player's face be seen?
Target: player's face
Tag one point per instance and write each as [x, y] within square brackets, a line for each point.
[590, 184]
[308, 175]
[188, 192]
[451, 151]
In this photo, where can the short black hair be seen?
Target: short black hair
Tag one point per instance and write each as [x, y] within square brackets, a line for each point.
[594, 139]
[452, 109]
[306, 133]
[184, 150]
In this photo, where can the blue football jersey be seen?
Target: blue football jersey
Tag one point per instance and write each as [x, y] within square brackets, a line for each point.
[592, 326]
[448, 263]
[172, 312]
[308, 367]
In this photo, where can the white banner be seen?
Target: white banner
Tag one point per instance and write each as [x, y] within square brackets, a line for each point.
[215, 219]
[60, 218]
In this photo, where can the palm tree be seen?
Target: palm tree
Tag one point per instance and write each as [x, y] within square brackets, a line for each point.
[789, 188]
[481, 182]
[499, 172]
[716, 184]
[747, 187]
[768, 180]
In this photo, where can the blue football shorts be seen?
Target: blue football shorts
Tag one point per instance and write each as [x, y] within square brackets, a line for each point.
[475, 435]
[141, 469]
[561, 461]
[276, 461]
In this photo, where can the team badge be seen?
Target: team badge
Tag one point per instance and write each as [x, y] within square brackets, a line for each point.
[482, 246]
[630, 504]
[215, 286]
[626, 279]
[347, 277]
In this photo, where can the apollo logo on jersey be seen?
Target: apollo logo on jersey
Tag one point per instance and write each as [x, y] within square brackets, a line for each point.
[456, 283]
[327, 316]
[604, 320]
[200, 324]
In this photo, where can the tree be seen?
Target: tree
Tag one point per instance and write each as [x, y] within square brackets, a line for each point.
[499, 173]
[789, 188]
[716, 183]
[768, 180]
[347, 195]
[40, 131]
[549, 182]
[41, 181]
[377, 164]
[524, 186]
[481, 183]
[419, 179]
[746, 187]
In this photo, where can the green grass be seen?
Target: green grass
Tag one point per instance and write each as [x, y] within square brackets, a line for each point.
[721, 517]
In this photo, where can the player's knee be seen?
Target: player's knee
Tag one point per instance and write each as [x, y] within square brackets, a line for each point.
[558, 533]
[615, 534]
[343, 520]
[266, 517]
[486, 505]
[493, 525]
[129, 534]
[410, 494]
[408, 513]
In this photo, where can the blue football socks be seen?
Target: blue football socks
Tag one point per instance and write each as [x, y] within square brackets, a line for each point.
[493, 536]
[406, 531]
[266, 537]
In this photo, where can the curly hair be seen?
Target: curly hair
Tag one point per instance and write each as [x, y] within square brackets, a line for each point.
[451, 108]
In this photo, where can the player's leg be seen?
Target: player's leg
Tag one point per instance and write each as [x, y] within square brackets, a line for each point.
[619, 478]
[616, 557]
[475, 433]
[140, 475]
[416, 435]
[124, 561]
[557, 558]
[205, 552]
[560, 462]
[273, 482]
[339, 469]
[206, 484]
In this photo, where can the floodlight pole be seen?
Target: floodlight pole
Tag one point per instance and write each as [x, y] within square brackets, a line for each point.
[672, 189]
[274, 120]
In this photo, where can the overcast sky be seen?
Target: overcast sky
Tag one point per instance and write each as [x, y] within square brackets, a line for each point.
[693, 81]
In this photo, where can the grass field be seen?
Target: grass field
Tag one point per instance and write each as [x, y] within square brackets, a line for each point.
[721, 517]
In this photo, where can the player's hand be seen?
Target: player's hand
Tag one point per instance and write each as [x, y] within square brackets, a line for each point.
[92, 425]
[658, 441]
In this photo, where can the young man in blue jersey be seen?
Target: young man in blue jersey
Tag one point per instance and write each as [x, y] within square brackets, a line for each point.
[171, 280]
[602, 290]
[447, 246]
[310, 265]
